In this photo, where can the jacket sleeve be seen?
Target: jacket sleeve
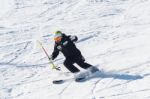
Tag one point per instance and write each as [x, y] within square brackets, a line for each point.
[55, 52]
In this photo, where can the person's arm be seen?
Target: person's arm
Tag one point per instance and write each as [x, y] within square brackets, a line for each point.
[55, 52]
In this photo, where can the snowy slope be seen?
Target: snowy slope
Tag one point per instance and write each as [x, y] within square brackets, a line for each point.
[113, 35]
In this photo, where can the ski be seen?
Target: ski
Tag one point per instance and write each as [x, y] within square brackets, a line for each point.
[58, 81]
[79, 79]
[82, 79]
[61, 81]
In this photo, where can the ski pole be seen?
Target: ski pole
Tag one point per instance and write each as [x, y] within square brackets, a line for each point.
[50, 60]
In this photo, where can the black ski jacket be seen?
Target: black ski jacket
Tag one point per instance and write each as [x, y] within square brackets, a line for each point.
[67, 47]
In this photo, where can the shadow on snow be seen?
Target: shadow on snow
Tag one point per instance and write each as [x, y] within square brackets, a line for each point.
[116, 76]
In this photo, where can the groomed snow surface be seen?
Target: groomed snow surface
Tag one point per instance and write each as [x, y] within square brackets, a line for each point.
[114, 35]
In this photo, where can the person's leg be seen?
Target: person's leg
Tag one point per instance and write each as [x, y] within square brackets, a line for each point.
[69, 65]
[85, 65]
[82, 63]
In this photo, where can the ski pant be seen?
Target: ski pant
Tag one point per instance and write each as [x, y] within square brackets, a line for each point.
[78, 60]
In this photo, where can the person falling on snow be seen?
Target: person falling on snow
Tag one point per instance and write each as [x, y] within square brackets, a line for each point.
[65, 44]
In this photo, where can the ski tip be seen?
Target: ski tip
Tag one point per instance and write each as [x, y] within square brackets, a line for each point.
[58, 81]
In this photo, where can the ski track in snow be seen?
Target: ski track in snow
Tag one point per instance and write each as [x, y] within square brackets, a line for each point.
[113, 35]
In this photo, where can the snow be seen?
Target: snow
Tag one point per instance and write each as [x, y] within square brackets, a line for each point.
[5, 6]
[113, 35]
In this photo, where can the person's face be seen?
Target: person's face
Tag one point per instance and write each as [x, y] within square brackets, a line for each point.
[58, 39]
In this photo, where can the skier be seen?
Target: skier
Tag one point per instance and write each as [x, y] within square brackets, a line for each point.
[65, 44]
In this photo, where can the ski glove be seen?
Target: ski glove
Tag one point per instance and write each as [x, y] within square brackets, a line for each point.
[51, 57]
[73, 38]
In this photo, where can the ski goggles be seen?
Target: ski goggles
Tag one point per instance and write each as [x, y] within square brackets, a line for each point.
[58, 39]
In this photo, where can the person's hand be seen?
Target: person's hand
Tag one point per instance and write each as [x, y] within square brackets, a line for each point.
[73, 38]
[51, 57]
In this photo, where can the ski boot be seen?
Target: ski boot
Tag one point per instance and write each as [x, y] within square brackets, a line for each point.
[91, 71]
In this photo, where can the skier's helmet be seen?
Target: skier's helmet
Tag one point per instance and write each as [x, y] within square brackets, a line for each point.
[58, 36]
